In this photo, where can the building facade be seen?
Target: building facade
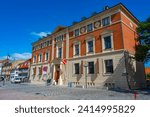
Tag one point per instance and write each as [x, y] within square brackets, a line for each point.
[98, 52]
[8, 66]
[24, 69]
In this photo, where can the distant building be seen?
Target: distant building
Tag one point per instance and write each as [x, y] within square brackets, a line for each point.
[8, 66]
[24, 68]
[147, 72]
[1, 64]
[95, 52]
[0, 67]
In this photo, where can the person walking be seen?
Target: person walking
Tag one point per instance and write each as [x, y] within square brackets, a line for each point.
[3, 81]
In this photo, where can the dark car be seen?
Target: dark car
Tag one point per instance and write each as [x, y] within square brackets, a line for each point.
[1, 78]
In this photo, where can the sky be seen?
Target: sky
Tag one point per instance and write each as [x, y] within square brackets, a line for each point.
[25, 21]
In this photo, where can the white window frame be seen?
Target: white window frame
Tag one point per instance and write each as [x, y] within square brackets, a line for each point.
[57, 48]
[45, 56]
[103, 42]
[88, 67]
[110, 22]
[34, 59]
[40, 58]
[75, 31]
[76, 43]
[87, 40]
[74, 69]
[92, 27]
[104, 66]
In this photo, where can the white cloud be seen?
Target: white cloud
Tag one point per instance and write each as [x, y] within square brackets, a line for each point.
[40, 34]
[18, 56]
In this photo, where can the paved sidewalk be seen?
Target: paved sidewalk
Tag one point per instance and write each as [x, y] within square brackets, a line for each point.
[27, 91]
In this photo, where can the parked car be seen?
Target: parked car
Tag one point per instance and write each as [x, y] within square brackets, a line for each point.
[1, 78]
[16, 80]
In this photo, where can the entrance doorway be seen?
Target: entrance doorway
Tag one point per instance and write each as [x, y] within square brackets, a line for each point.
[57, 73]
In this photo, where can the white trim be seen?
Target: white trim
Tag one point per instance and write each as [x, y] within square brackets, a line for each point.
[74, 32]
[88, 66]
[128, 18]
[57, 47]
[110, 22]
[128, 26]
[73, 67]
[45, 56]
[103, 44]
[104, 66]
[34, 59]
[90, 38]
[76, 43]
[40, 58]
[98, 54]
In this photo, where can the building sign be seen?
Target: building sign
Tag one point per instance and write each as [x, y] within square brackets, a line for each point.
[45, 69]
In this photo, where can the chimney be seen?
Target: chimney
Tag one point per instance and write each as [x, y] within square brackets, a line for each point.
[106, 7]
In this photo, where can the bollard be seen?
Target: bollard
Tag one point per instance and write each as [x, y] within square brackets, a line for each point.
[135, 95]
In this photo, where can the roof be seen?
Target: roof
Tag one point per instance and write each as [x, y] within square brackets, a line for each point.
[25, 64]
[60, 28]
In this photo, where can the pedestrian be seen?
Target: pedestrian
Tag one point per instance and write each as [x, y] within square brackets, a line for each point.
[3, 81]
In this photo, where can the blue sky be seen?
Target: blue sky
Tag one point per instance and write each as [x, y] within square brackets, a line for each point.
[24, 21]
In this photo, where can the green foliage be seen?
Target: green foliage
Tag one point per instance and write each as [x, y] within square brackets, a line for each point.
[148, 75]
[143, 47]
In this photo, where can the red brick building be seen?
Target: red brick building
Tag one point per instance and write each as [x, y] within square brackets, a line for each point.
[98, 50]
[147, 70]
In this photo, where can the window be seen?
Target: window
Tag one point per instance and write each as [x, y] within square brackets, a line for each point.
[76, 49]
[59, 38]
[109, 66]
[91, 67]
[90, 46]
[76, 32]
[34, 59]
[59, 52]
[46, 56]
[107, 42]
[106, 21]
[89, 27]
[77, 68]
[40, 58]
[48, 43]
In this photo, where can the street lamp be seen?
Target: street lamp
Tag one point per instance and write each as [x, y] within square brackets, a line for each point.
[85, 65]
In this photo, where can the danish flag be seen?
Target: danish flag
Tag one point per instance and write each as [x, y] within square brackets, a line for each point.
[64, 61]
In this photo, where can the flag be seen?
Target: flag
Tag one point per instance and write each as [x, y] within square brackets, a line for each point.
[64, 61]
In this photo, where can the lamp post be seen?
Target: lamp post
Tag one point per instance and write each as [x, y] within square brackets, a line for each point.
[85, 65]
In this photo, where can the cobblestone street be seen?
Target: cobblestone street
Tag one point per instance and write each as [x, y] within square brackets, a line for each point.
[42, 92]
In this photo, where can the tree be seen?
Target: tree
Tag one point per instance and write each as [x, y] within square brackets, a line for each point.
[143, 47]
[148, 76]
